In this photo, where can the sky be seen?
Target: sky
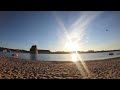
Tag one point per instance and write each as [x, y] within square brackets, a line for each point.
[60, 30]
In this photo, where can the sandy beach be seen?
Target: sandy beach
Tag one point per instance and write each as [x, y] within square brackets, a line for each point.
[14, 68]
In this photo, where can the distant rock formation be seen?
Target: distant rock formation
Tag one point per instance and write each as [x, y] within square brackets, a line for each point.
[44, 51]
[33, 50]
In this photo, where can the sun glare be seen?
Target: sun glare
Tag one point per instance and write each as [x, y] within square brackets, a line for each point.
[76, 36]
[72, 46]
[74, 57]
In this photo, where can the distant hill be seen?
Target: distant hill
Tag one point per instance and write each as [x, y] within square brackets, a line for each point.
[2, 49]
[12, 50]
[44, 51]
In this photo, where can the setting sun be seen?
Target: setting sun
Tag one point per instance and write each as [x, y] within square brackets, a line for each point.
[72, 46]
[60, 45]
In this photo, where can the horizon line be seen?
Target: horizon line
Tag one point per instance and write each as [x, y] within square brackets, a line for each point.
[65, 50]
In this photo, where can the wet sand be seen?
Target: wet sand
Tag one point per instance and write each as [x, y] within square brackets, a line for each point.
[13, 68]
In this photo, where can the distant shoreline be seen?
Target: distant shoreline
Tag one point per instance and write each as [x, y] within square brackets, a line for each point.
[64, 52]
[58, 60]
[49, 52]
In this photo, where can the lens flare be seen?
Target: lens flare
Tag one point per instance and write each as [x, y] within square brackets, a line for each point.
[75, 36]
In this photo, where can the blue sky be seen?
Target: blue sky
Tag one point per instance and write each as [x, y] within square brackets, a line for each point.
[21, 29]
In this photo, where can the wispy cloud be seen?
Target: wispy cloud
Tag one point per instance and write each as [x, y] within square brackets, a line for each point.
[79, 27]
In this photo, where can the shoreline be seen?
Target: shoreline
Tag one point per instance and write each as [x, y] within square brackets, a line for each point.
[15, 68]
[58, 60]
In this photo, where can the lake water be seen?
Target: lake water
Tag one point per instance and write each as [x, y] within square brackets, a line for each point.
[63, 57]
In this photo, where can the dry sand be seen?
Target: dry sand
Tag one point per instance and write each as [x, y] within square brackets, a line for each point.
[13, 68]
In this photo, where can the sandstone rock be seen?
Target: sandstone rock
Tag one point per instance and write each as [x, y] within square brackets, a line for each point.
[33, 50]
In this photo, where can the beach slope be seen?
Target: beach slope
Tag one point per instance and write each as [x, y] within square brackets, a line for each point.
[13, 68]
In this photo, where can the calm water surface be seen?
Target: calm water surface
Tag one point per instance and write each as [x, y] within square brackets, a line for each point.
[63, 57]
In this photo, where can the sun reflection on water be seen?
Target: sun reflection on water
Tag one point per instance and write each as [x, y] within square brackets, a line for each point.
[74, 57]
